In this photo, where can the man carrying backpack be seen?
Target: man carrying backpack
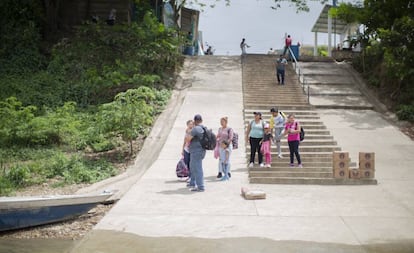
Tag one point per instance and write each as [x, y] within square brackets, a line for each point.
[197, 154]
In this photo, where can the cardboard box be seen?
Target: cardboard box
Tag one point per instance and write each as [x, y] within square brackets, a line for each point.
[367, 160]
[367, 173]
[366, 156]
[339, 164]
[340, 156]
[341, 173]
[354, 174]
[367, 165]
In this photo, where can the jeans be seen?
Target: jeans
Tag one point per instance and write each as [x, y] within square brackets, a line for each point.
[196, 167]
[286, 49]
[255, 146]
[226, 170]
[280, 74]
[187, 162]
[221, 151]
[278, 132]
[294, 150]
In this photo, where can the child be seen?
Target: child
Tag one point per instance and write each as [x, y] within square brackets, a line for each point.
[266, 142]
[224, 159]
[186, 152]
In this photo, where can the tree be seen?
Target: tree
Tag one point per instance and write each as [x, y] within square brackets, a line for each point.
[300, 5]
[389, 34]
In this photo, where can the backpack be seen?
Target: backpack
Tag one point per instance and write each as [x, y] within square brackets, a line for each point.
[181, 170]
[208, 141]
[235, 140]
[302, 133]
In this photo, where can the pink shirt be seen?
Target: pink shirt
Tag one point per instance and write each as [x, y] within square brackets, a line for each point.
[288, 42]
[225, 134]
[293, 126]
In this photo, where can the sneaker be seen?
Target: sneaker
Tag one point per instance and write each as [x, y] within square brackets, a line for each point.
[268, 165]
[195, 189]
[300, 166]
[292, 165]
[280, 156]
[229, 175]
[190, 185]
[261, 165]
[251, 165]
[219, 175]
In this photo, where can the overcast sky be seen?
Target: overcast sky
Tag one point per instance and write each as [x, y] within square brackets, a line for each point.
[223, 26]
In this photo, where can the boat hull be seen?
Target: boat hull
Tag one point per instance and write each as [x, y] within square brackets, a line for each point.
[18, 213]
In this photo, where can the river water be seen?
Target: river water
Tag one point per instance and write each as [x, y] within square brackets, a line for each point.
[8, 245]
[100, 241]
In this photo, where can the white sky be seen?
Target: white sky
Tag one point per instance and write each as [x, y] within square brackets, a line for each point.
[223, 26]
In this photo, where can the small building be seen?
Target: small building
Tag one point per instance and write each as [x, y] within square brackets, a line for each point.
[326, 24]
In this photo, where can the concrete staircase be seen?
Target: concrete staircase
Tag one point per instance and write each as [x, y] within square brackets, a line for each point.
[333, 86]
[261, 92]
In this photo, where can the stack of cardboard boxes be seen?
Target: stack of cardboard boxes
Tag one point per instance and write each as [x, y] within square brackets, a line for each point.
[367, 164]
[341, 163]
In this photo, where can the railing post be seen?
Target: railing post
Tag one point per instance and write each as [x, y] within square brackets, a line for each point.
[298, 72]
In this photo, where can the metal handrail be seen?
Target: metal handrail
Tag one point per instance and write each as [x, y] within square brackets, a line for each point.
[301, 75]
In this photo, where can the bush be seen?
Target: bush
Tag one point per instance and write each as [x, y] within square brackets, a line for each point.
[406, 112]
[18, 176]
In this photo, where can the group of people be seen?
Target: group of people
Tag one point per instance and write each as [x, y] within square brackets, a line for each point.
[262, 134]
[288, 44]
[193, 153]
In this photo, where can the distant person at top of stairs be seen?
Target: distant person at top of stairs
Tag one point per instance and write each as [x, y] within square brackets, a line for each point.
[292, 130]
[243, 46]
[280, 69]
[288, 43]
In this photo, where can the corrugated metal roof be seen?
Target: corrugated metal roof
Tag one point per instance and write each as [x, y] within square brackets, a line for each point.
[321, 25]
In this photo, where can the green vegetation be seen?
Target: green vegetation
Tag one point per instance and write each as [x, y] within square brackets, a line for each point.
[72, 109]
[388, 49]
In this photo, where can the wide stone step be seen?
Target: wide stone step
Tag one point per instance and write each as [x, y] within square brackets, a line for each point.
[307, 149]
[305, 125]
[334, 90]
[295, 174]
[286, 168]
[269, 104]
[306, 142]
[310, 181]
[308, 162]
[288, 109]
[341, 102]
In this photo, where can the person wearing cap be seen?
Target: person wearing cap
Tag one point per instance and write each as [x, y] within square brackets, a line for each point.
[277, 125]
[292, 130]
[266, 143]
[197, 154]
[254, 133]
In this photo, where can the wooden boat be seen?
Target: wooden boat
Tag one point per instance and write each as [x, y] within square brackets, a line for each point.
[23, 212]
